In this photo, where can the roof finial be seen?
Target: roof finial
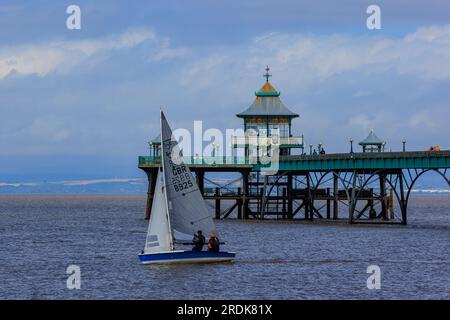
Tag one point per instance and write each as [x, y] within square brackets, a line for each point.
[267, 75]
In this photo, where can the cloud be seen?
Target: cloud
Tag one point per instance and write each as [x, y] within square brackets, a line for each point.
[301, 58]
[341, 85]
[421, 119]
[45, 127]
[361, 120]
[41, 59]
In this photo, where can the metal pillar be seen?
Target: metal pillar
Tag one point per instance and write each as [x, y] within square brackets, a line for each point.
[308, 205]
[151, 177]
[383, 197]
[239, 204]
[290, 206]
[217, 195]
[328, 204]
[200, 179]
[245, 175]
[335, 197]
[403, 202]
[352, 200]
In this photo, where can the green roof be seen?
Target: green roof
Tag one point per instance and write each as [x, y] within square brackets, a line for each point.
[371, 139]
[267, 103]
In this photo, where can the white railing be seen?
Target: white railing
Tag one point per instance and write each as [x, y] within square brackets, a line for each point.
[248, 139]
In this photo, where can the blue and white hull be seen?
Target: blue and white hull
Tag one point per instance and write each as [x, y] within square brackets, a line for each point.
[184, 256]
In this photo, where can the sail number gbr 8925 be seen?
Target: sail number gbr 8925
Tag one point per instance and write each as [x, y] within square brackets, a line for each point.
[181, 180]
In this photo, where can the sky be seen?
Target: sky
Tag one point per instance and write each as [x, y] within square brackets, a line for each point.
[82, 104]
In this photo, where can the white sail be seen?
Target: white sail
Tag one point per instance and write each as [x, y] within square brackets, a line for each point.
[187, 209]
[158, 234]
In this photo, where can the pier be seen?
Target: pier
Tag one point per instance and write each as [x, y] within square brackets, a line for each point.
[372, 186]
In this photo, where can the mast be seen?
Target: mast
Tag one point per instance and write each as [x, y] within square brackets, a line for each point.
[165, 185]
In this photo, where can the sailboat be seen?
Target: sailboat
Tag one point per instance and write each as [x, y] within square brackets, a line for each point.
[178, 211]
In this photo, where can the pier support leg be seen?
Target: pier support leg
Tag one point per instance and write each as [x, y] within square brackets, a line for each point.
[383, 197]
[290, 206]
[352, 202]
[391, 204]
[245, 193]
[217, 196]
[403, 202]
[372, 213]
[308, 204]
[335, 198]
[200, 179]
[239, 204]
[328, 204]
[260, 203]
[151, 176]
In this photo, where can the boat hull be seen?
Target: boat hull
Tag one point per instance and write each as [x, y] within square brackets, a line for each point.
[186, 257]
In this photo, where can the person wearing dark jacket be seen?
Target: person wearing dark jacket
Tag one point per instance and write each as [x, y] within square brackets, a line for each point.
[198, 241]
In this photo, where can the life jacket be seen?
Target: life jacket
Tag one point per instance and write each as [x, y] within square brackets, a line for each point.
[213, 244]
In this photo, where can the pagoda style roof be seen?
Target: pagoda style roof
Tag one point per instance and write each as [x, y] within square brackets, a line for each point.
[267, 103]
[371, 140]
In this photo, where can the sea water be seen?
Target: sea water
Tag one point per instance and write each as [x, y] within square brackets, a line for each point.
[42, 235]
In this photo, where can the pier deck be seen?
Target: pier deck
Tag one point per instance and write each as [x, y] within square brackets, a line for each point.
[363, 185]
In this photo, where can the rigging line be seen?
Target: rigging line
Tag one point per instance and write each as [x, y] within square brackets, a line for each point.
[186, 193]
[195, 221]
[204, 218]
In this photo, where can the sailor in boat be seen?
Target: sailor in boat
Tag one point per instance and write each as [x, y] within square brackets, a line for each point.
[178, 209]
[198, 241]
[213, 243]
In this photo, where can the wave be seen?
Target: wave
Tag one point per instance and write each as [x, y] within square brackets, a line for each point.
[72, 183]
[440, 191]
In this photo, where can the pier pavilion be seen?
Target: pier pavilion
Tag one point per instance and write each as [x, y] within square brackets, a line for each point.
[363, 187]
[267, 115]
